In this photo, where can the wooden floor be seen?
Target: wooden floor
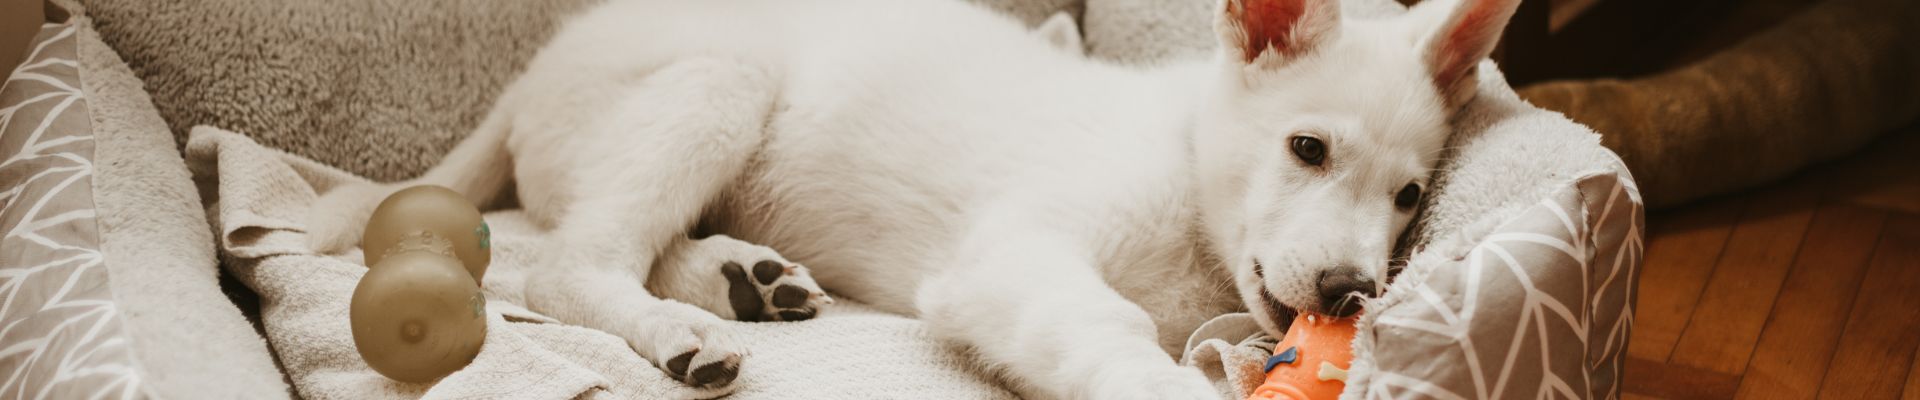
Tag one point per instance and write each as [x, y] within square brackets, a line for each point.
[1808, 288]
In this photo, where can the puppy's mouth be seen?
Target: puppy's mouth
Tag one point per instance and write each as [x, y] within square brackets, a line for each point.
[1279, 314]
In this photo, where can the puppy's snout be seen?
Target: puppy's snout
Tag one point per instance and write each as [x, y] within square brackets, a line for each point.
[1341, 288]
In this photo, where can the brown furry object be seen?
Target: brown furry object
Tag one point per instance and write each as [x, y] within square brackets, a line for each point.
[1818, 85]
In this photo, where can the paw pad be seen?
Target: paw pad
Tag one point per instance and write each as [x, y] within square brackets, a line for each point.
[772, 291]
[711, 375]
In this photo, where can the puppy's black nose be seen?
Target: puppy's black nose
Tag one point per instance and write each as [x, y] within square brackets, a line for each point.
[1340, 289]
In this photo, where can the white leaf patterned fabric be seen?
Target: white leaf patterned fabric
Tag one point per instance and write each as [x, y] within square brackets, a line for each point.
[1536, 303]
[1538, 307]
[61, 335]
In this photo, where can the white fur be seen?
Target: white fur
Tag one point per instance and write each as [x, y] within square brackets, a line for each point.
[1060, 31]
[1068, 220]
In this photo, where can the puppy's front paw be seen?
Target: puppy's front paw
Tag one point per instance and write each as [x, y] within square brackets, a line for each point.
[694, 349]
[713, 373]
[773, 290]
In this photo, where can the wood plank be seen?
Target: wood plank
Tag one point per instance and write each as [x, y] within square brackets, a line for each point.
[1913, 380]
[1877, 348]
[1682, 246]
[1813, 304]
[1726, 324]
[1661, 380]
[1637, 396]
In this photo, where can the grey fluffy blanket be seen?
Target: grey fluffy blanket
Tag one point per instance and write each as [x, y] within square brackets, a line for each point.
[379, 88]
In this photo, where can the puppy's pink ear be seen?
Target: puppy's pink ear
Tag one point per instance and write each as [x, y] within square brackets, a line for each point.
[1280, 29]
[1467, 36]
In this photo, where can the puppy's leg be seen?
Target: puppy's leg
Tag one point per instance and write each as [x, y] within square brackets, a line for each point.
[638, 180]
[1033, 304]
[737, 280]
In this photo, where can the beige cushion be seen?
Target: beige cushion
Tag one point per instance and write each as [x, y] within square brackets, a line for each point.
[107, 273]
[55, 304]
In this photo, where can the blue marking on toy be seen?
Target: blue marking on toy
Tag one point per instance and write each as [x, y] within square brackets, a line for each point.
[1285, 357]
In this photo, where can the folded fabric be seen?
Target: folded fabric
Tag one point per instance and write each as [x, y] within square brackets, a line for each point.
[1231, 350]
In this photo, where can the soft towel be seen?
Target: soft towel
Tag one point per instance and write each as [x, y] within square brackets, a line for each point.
[257, 196]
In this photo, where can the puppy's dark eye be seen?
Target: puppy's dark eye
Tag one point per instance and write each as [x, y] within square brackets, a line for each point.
[1408, 197]
[1310, 150]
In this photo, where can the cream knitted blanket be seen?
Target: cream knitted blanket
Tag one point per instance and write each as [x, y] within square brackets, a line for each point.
[257, 196]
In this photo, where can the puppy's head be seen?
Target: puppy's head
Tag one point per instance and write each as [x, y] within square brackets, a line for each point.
[1318, 143]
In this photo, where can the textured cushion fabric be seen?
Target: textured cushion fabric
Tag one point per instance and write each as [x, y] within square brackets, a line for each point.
[1541, 305]
[380, 88]
[107, 284]
[1033, 12]
[1525, 265]
[62, 334]
[1148, 31]
[1537, 304]
[185, 333]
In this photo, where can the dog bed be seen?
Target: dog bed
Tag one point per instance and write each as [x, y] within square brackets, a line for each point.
[1520, 282]
[108, 279]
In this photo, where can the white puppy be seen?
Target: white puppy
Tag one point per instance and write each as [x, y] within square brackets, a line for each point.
[1066, 219]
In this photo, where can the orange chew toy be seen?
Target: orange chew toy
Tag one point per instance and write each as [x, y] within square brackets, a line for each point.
[1311, 361]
